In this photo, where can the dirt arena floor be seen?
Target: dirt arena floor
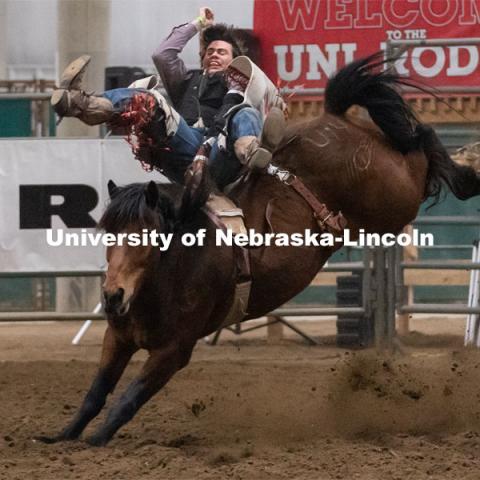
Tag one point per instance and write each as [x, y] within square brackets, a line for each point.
[245, 409]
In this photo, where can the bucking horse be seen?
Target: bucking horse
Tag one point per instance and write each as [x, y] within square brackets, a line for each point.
[375, 170]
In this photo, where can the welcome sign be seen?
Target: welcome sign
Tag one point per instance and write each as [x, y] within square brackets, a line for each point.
[305, 41]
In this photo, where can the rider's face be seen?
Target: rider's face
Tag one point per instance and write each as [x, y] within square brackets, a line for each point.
[218, 56]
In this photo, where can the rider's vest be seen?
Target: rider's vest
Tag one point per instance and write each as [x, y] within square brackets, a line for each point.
[203, 98]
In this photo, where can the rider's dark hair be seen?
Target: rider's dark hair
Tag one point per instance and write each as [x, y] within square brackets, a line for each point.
[220, 31]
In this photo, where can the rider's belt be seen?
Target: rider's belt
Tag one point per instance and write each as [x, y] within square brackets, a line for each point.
[229, 217]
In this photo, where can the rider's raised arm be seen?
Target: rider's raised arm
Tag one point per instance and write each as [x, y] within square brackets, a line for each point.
[170, 66]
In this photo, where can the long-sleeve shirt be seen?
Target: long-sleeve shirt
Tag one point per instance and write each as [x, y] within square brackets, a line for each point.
[170, 66]
[193, 93]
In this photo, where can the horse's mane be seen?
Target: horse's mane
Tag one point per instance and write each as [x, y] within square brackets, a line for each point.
[129, 206]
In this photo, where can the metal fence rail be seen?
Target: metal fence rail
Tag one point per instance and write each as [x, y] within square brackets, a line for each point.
[400, 266]
[277, 316]
[382, 269]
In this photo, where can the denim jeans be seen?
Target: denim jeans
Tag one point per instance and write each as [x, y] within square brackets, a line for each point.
[224, 165]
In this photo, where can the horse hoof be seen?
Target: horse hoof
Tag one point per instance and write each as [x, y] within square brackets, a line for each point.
[96, 441]
[48, 440]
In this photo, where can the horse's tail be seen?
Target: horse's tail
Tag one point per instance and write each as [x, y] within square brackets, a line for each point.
[364, 83]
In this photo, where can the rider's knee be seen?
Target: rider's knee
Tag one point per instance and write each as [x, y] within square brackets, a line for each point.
[248, 114]
[246, 121]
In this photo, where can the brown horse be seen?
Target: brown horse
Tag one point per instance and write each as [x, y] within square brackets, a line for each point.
[377, 174]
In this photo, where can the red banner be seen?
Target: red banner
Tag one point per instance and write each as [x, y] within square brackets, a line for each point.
[305, 41]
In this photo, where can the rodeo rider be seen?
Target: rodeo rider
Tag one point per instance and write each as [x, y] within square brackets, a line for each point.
[221, 107]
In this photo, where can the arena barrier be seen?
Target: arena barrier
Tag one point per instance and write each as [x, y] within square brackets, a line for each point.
[57, 184]
[401, 266]
[472, 328]
[471, 308]
[274, 317]
[383, 293]
[277, 317]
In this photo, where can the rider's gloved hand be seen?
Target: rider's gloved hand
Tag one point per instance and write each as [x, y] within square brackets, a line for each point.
[205, 19]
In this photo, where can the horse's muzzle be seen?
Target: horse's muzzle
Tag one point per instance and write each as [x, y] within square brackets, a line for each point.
[114, 302]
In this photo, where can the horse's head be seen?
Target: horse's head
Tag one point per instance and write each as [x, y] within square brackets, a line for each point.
[134, 211]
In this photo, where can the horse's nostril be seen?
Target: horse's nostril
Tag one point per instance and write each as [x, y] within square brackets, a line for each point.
[117, 297]
[112, 301]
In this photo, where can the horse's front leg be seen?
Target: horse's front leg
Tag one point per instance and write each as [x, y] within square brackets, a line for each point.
[115, 357]
[157, 370]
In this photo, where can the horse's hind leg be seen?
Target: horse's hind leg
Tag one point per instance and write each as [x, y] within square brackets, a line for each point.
[156, 372]
[115, 357]
[462, 180]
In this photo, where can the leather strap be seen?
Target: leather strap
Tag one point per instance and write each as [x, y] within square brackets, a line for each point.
[327, 220]
[242, 257]
[225, 215]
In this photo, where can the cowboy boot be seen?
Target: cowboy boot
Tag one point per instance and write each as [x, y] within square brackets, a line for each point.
[255, 153]
[72, 76]
[88, 108]
[69, 100]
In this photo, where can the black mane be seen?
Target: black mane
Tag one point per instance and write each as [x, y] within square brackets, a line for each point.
[128, 207]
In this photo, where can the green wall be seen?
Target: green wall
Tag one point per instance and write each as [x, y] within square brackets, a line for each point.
[15, 118]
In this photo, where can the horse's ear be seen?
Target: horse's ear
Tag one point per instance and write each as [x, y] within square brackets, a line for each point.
[112, 188]
[151, 194]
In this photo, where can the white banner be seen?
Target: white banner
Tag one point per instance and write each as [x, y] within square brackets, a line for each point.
[58, 184]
